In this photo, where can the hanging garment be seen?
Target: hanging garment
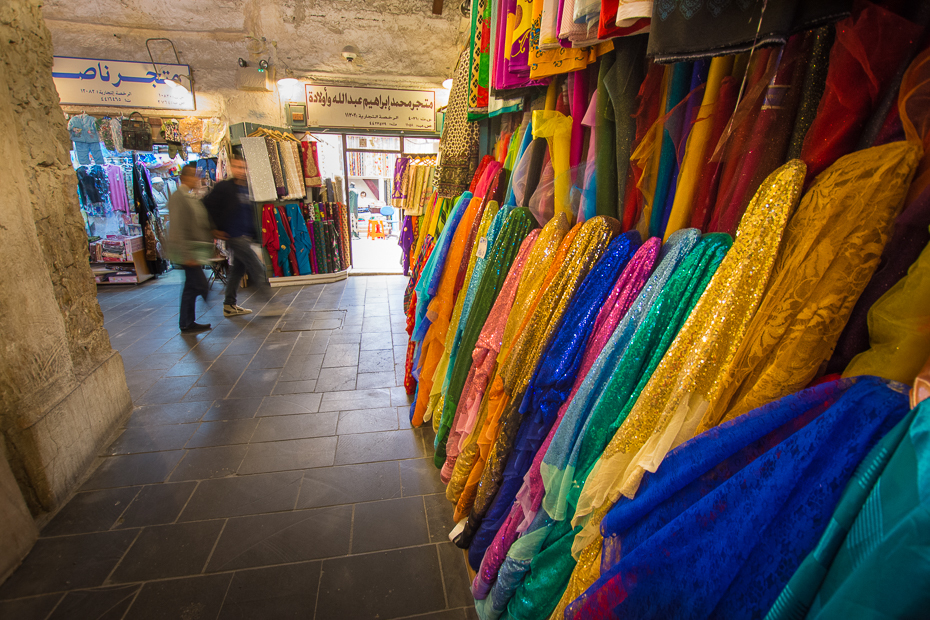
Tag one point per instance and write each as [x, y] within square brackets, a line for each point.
[679, 82]
[529, 497]
[744, 502]
[458, 148]
[872, 558]
[815, 80]
[261, 178]
[690, 30]
[302, 244]
[270, 239]
[831, 248]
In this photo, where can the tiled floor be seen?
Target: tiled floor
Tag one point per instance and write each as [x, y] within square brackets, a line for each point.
[268, 471]
[376, 255]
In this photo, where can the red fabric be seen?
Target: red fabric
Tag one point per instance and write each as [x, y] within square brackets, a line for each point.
[647, 111]
[487, 159]
[870, 47]
[608, 29]
[706, 194]
[768, 141]
[270, 240]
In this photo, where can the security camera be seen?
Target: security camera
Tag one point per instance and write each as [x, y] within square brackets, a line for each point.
[350, 52]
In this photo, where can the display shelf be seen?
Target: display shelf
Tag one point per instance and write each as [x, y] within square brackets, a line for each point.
[317, 278]
[138, 262]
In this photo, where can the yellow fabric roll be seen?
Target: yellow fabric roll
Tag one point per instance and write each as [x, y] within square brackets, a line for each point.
[899, 328]
[696, 150]
[688, 379]
[832, 246]
[556, 128]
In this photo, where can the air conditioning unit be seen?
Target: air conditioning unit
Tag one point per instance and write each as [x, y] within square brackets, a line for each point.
[253, 78]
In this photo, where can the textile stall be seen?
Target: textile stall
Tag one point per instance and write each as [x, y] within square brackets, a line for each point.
[622, 317]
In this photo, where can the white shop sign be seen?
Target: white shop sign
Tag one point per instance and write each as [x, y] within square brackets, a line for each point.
[370, 108]
[97, 82]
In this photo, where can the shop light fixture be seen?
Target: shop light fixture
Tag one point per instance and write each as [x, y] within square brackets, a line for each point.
[176, 81]
[447, 83]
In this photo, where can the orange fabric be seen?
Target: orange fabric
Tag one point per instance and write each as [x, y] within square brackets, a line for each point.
[440, 310]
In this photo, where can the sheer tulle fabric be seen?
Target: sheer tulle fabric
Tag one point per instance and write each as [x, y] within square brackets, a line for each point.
[744, 501]
[831, 247]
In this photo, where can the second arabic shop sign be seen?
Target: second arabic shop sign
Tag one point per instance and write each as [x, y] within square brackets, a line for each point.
[370, 108]
[93, 82]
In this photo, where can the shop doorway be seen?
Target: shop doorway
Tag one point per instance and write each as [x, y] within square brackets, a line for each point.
[367, 168]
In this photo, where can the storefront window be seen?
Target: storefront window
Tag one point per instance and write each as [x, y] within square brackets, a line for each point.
[421, 146]
[373, 143]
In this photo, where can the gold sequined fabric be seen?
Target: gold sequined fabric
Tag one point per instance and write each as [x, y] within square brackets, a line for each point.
[691, 373]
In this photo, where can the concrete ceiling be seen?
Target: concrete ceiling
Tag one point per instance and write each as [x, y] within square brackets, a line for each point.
[398, 40]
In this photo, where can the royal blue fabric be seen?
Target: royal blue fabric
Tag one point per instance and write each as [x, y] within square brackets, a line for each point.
[552, 381]
[723, 524]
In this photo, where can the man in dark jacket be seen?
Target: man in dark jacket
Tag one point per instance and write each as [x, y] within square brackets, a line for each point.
[230, 208]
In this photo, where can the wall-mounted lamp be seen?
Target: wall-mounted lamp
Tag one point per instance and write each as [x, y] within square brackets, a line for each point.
[262, 65]
[447, 83]
[243, 63]
[175, 81]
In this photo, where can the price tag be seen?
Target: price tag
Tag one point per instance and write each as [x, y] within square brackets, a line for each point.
[482, 247]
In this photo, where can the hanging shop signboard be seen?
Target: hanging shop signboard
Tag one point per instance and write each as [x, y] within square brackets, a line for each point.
[342, 107]
[96, 82]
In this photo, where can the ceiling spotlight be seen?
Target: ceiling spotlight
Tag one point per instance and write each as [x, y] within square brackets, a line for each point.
[262, 65]
[447, 83]
[288, 82]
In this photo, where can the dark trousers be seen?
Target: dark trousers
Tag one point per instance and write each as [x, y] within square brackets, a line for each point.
[244, 261]
[195, 285]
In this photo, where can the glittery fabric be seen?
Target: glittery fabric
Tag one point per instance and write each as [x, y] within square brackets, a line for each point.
[410, 299]
[518, 225]
[745, 504]
[690, 376]
[832, 245]
[529, 497]
[815, 79]
[588, 246]
[495, 322]
[549, 386]
[280, 184]
[261, 178]
[440, 311]
[479, 228]
[532, 285]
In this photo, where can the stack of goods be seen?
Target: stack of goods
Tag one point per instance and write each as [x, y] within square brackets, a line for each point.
[623, 362]
[413, 185]
[306, 239]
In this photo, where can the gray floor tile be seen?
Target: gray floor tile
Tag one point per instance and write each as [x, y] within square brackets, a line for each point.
[181, 598]
[174, 413]
[332, 486]
[223, 433]
[289, 404]
[355, 399]
[420, 477]
[279, 592]
[133, 469]
[376, 361]
[266, 540]
[439, 512]
[157, 504]
[67, 562]
[341, 355]
[91, 511]
[150, 439]
[108, 603]
[367, 421]
[302, 368]
[294, 387]
[233, 409]
[207, 394]
[167, 390]
[288, 455]
[340, 379]
[243, 495]
[455, 575]
[389, 584]
[257, 382]
[32, 608]
[384, 446]
[207, 463]
[279, 428]
[163, 551]
[370, 380]
[389, 524]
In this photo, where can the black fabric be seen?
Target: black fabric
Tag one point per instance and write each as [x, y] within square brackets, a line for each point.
[688, 30]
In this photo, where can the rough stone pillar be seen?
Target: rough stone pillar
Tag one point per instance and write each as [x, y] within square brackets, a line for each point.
[62, 387]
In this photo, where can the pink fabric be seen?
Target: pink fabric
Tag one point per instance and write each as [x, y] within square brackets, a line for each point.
[530, 496]
[483, 359]
[118, 196]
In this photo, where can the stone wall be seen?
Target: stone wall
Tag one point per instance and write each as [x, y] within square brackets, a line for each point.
[62, 387]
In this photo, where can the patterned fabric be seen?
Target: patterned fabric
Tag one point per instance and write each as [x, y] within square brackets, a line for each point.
[458, 148]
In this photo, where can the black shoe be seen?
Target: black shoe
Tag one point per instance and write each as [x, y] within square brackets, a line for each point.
[195, 327]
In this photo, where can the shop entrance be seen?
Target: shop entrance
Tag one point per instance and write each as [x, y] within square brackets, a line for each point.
[367, 168]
